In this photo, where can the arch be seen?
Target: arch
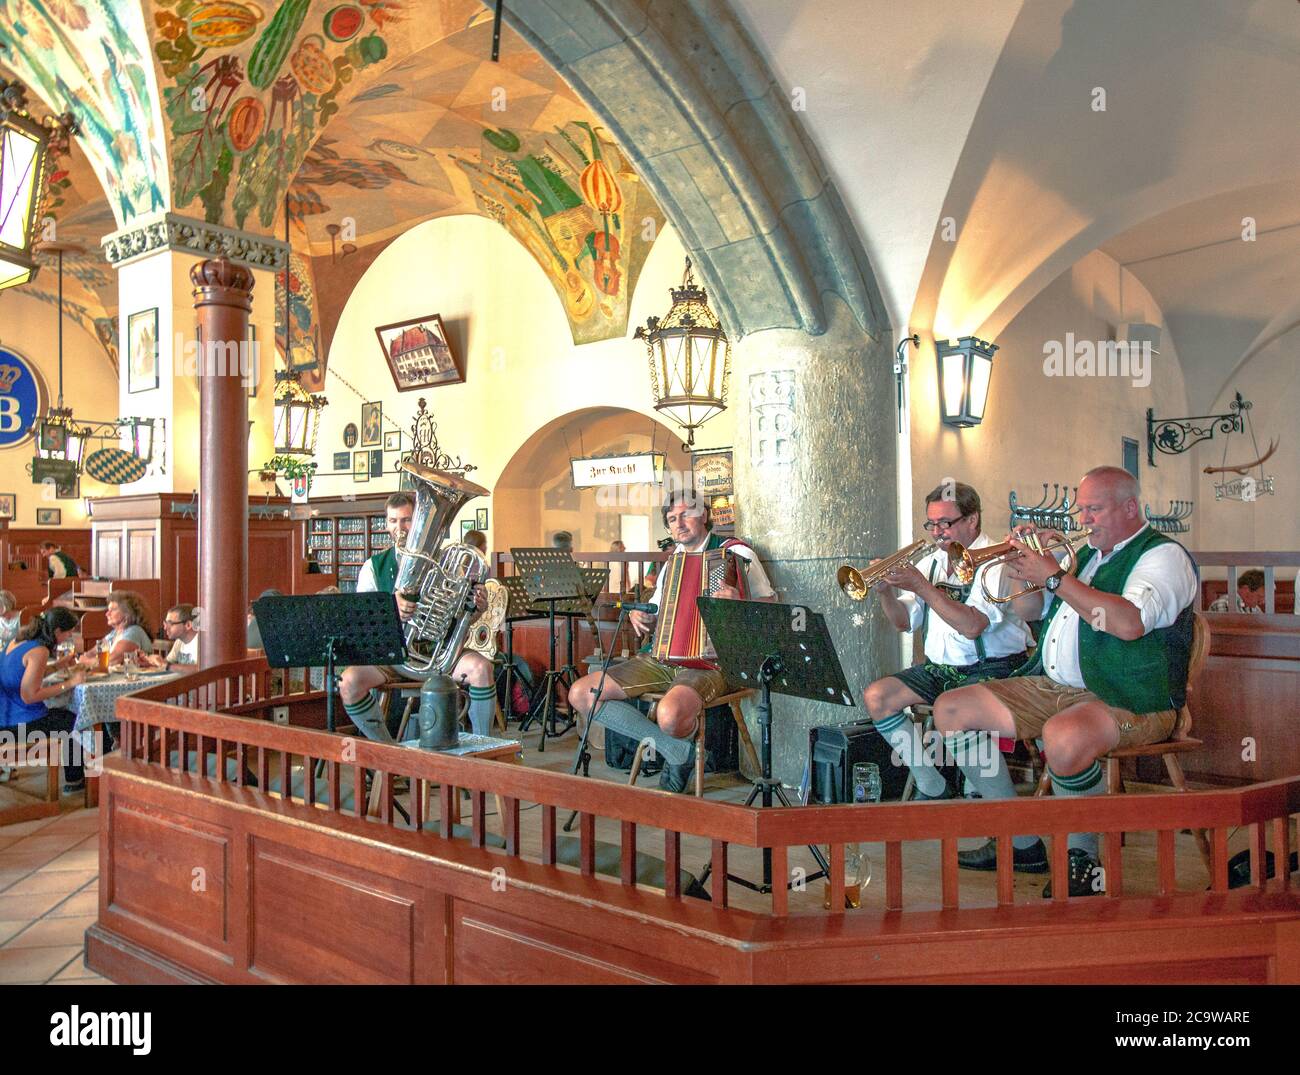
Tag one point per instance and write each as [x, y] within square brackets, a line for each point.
[533, 494]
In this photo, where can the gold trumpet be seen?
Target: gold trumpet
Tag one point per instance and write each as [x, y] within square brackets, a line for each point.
[857, 582]
[965, 562]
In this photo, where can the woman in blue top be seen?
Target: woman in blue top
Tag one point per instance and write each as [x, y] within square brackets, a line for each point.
[22, 696]
[127, 619]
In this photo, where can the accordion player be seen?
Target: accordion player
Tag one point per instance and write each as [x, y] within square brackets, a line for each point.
[678, 662]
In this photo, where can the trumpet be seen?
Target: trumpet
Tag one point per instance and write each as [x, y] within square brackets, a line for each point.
[857, 582]
[965, 562]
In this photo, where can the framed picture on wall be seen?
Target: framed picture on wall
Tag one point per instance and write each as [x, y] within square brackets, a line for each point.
[466, 525]
[372, 418]
[376, 462]
[350, 435]
[49, 516]
[8, 506]
[360, 466]
[342, 462]
[53, 438]
[418, 354]
[142, 351]
[712, 470]
[393, 440]
[480, 519]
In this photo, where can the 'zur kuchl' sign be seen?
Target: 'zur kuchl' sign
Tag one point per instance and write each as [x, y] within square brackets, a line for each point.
[22, 398]
[618, 470]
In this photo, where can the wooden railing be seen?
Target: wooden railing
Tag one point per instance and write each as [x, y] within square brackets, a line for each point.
[1272, 564]
[163, 725]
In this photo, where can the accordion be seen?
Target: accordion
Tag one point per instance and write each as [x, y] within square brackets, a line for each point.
[680, 637]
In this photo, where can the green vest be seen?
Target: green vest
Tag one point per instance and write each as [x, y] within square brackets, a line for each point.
[1146, 675]
[384, 565]
[70, 568]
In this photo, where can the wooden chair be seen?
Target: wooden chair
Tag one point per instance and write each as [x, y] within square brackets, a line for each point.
[1180, 740]
[34, 806]
[732, 700]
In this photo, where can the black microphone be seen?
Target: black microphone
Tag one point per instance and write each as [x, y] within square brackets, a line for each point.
[637, 606]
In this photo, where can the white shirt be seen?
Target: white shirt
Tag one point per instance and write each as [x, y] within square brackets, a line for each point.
[1006, 633]
[757, 584]
[1161, 584]
[366, 578]
[1221, 604]
[184, 652]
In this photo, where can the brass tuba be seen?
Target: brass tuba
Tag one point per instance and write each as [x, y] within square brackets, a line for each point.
[440, 580]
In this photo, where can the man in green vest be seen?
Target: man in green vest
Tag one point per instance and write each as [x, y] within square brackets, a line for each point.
[1111, 665]
[59, 563]
[359, 685]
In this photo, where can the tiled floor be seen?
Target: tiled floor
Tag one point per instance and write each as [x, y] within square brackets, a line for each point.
[49, 877]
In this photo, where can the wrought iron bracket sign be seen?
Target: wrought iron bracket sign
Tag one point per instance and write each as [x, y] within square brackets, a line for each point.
[425, 449]
[1246, 489]
[1173, 436]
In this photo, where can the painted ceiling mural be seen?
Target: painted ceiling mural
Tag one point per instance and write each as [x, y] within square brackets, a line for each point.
[87, 55]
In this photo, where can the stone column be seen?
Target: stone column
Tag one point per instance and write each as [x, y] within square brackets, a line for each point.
[223, 300]
[814, 466]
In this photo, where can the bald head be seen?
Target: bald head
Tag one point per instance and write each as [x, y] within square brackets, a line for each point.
[1108, 506]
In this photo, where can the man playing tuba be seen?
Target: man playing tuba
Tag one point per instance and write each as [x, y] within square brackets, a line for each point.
[359, 684]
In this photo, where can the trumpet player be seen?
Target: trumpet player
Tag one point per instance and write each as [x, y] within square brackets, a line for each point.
[1111, 666]
[967, 638]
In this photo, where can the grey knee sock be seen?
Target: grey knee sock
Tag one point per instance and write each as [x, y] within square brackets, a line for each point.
[985, 770]
[903, 735]
[1087, 782]
[369, 718]
[626, 719]
[482, 708]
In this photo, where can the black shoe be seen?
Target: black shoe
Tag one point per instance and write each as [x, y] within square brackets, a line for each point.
[918, 796]
[1084, 869]
[676, 778]
[1032, 859]
[71, 787]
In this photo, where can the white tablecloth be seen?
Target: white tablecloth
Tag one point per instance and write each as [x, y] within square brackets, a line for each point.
[94, 700]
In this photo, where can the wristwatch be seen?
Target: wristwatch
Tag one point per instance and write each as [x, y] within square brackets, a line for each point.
[1053, 582]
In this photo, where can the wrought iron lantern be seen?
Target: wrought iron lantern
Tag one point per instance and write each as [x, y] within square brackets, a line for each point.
[965, 370]
[690, 358]
[297, 416]
[25, 147]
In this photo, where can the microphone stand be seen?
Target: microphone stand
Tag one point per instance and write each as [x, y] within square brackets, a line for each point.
[583, 759]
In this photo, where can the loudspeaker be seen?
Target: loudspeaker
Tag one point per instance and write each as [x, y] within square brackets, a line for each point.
[833, 751]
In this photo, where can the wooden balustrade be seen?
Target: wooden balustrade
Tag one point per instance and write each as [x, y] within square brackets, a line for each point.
[162, 725]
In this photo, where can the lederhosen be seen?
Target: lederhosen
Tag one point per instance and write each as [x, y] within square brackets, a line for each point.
[930, 679]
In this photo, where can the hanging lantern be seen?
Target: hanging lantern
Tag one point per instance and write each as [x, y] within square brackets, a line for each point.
[24, 148]
[690, 358]
[297, 416]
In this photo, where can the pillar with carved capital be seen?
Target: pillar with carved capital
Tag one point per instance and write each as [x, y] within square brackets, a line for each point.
[223, 300]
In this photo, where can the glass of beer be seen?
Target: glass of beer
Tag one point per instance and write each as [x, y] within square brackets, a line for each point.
[857, 875]
[104, 650]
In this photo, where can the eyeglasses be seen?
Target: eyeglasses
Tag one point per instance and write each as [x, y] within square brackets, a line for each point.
[931, 525]
[174, 623]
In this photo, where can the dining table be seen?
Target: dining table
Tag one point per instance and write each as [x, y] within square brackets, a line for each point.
[95, 700]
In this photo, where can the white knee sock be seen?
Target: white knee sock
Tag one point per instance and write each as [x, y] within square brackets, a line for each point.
[903, 735]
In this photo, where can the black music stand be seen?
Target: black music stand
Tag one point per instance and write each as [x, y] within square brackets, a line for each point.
[782, 648]
[328, 629]
[549, 576]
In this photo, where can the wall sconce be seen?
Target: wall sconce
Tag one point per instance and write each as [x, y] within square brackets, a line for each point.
[965, 369]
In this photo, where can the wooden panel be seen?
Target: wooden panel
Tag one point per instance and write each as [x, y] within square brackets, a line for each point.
[169, 869]
[492, 948]
[108, 553]
[142, 556]
[1245, 706]
[356, 926]
[180, 573]
[270, 560]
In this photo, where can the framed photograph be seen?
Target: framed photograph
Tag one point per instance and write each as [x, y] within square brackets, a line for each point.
[466, 525]
[142, 351]
[418, 354]
[480, 519]
[8, 506]
[49, 516]
[342, 462]
[360, 466]
[372, 420]
[54, 438]
[350, 435]
[376, 462]
[393, 440]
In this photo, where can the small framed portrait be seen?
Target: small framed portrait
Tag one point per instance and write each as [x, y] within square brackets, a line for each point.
[480, 519]
[342, 462]
[49, 516]
[372, 419]
[350, 435]
[142, 351]
[54, 438]
[360, 466]
[466, 525]
[418, 354]
[376, 462]
[393, 440]
[8, 506]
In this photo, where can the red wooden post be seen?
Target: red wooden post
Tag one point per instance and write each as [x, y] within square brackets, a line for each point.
[222, 302]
